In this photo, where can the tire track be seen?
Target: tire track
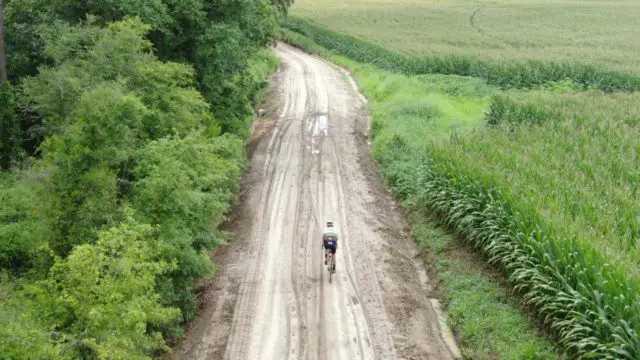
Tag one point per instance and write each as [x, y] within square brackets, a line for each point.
[332, 307]
[472, 18]
[241, 334]
[363, 323]
[333, 170]
[273, 300]
[478, 29]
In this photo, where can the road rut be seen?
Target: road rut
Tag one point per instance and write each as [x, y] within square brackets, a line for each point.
[271, 298]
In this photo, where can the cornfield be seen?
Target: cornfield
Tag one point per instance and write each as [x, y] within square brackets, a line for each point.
[506, 75]
[580, 163]
[546, 204]
[505, 30]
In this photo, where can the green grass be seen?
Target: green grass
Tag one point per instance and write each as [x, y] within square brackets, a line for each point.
[445, 103]
[481, 311]
[596, 32]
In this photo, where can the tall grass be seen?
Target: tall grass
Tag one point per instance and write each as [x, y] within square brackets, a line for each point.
[506, 75]
[483, 313]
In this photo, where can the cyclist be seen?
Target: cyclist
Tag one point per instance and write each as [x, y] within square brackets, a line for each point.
[329, 241]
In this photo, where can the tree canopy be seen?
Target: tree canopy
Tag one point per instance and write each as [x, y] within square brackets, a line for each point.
[123, 147]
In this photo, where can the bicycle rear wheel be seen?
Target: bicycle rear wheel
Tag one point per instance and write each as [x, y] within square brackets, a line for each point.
[330, 266]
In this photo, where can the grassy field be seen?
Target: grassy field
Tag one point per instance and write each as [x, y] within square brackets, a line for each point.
[594, 32]
[543, 182]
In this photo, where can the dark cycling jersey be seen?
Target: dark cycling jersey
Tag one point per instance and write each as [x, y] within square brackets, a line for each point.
[330, 242]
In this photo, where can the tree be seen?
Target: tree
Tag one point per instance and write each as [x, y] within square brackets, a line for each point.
[3, 58]
[142, 107]
[282, 5]
[102, 299]
[8, 128]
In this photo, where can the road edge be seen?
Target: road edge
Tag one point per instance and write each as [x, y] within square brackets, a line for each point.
[446, 332]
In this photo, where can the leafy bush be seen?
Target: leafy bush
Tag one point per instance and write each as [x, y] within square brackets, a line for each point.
[22, 227]
[21, 333]
[9, 128]
[101, 300]
[188, 205]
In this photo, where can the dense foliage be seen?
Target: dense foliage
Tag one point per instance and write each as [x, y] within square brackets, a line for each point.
[124, 143]
[528, 74]
[9, 127]
[216, 38]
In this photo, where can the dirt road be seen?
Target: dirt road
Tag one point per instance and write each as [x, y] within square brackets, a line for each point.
[271, 298]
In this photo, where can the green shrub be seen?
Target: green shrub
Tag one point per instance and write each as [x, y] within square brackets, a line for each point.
[188, 205]
[102, 301]
[22, 335]
[9, 129]
[22, 226]
[260, 67]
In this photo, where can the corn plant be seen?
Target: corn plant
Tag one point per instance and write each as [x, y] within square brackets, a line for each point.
[529, 74]
[592, 307]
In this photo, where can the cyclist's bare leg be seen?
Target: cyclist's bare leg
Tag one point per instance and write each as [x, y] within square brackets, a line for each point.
[334, 261]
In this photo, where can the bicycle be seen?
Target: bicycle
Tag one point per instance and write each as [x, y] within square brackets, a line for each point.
[331, 264]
